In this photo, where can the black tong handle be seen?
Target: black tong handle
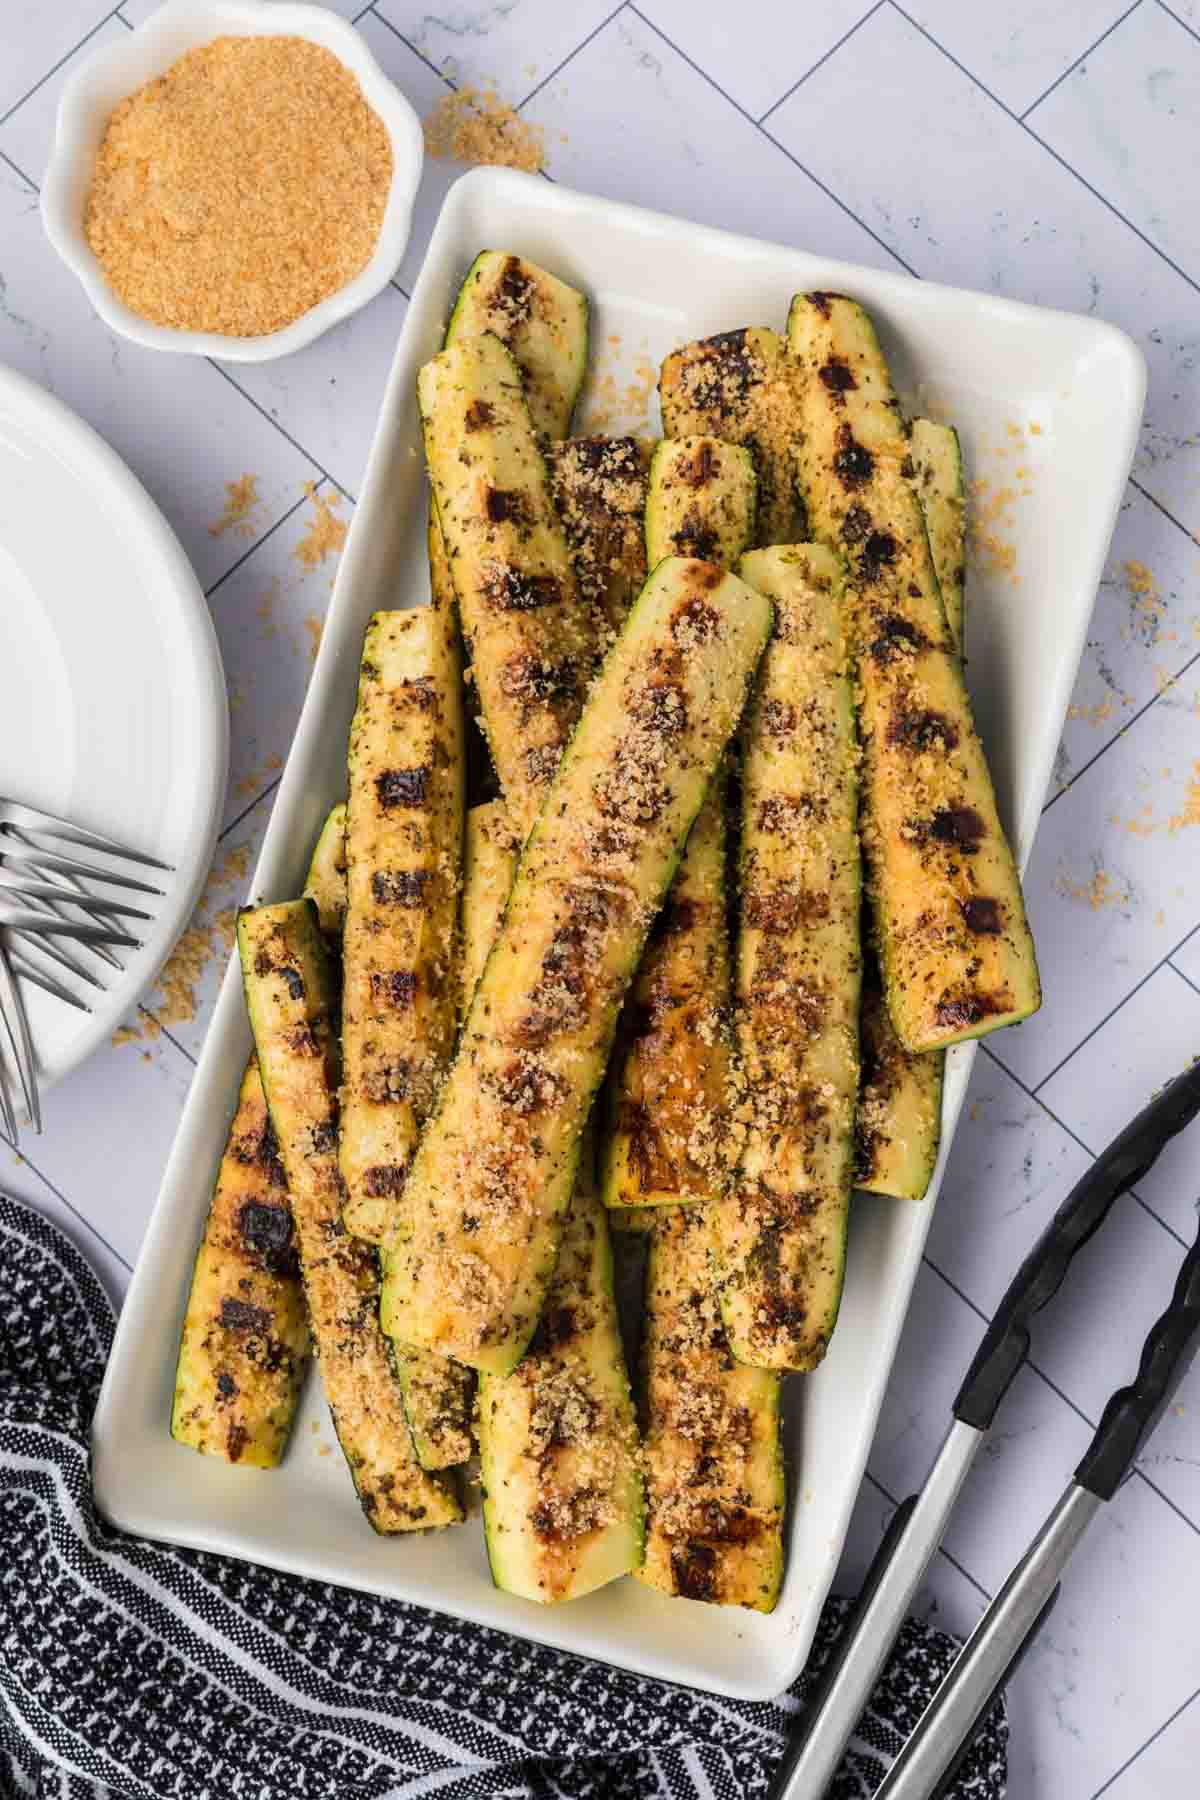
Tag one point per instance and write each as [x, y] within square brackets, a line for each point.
[1134, 1411]
[1006, 1342]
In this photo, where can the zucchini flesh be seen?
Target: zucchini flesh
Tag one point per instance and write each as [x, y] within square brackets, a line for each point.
[494, 1169]
[532, 644]
[244, 1347]
[489, 868]
[403, 853]
[563, 1504]
[899, 1123]
[325, 884]
[290, 998]
[711, 1448]
[744, 387]
[702, 500]
[244, 1350]
[782, 1231]
[542, 320]
[955, 951]
[599, 488]
[668, 1097]
[938, 477]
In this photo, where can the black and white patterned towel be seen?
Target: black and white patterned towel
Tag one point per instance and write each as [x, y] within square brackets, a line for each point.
[134, 1670]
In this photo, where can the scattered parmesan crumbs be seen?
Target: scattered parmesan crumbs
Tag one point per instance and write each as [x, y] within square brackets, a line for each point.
[1191, 806]
[474, 125]
[991, 507]
[314, 627]
[608, 404]
[326, 531]
[241, 497]
[1099, 892]
[240, 188]
[174, 998]
[266, 607]
[1099, 713]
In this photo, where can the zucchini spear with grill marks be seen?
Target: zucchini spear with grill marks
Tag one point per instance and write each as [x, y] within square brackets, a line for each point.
[542, 320]
[743, 387]
[532, 644]
[899, 1125]
[563, 1505]
[290, 999]
[782, 1231]
[244, 1348]
[490, 865]
[495, 1166]
[702, 500]
[403, 853]
[668, 1092]
[713, 1459]
[956, 955]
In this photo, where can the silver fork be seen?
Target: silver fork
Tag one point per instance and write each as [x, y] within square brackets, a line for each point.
[43, 891]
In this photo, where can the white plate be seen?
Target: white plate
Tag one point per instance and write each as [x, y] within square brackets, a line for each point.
[112, 695]
[655, 282]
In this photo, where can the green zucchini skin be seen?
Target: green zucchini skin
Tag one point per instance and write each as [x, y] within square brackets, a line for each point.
[244, 1350]
[782, 1230]
[743, 386]
[290, 997]
[712, 1451]
[542, 320]
[563, 1499]
[404, 828]
[898, 1127]
[954, 945]
[495, 1166]
[938, 477]
[702, 501]
[490, 867]
[532, 644]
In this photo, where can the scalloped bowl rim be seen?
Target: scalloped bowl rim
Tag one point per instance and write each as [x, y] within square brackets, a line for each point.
[116, 70]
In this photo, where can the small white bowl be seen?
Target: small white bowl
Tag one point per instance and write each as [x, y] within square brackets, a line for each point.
[110, 74]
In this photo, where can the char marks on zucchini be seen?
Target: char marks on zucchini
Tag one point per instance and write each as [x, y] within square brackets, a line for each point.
[599, 489]
[943, 980]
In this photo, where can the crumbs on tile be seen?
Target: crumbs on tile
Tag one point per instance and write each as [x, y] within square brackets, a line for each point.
[241, 497]
[1099, 892]
[473, 125]
[211, 928]
[326, 532]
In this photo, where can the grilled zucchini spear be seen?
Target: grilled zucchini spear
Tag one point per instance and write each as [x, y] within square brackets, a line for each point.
[782, 1231]
[533, 645]
[404, 863]
[290, 999]
[490, 866]
[495, 1167]
[599, 490]
[899, 1125]
[542, 320]
[743, 387]
[955, 951]
[244, 1349]
[667, 1140]
[713, 1459]
[563, 1504]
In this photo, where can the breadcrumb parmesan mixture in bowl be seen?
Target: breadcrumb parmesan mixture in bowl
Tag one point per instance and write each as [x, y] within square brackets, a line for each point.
[240, 188]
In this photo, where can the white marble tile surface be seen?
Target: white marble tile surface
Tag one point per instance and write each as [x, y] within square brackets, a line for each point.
[894, 138]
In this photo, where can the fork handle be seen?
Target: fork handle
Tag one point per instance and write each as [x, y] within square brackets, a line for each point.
[1005, 1344]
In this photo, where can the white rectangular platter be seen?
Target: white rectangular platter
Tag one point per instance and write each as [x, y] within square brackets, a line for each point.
[991, 366]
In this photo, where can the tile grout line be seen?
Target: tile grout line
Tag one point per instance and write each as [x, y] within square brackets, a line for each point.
[258, 543]
[941, 1549]
[1113, 1011]
[1195, 987]
[1048, 148]
[1075, 1137]
[1172, 14]
[18, 171]
[1153, 1738]
[55, 67]
[821, 60]
[582, 45]
[247, 810]
[73, 1210]
[1127, 726]
[1071, 67]
[1165, 511]
[782, 148]
[419, 54]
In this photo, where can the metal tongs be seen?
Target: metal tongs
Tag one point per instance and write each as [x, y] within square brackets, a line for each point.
[927, 1764]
